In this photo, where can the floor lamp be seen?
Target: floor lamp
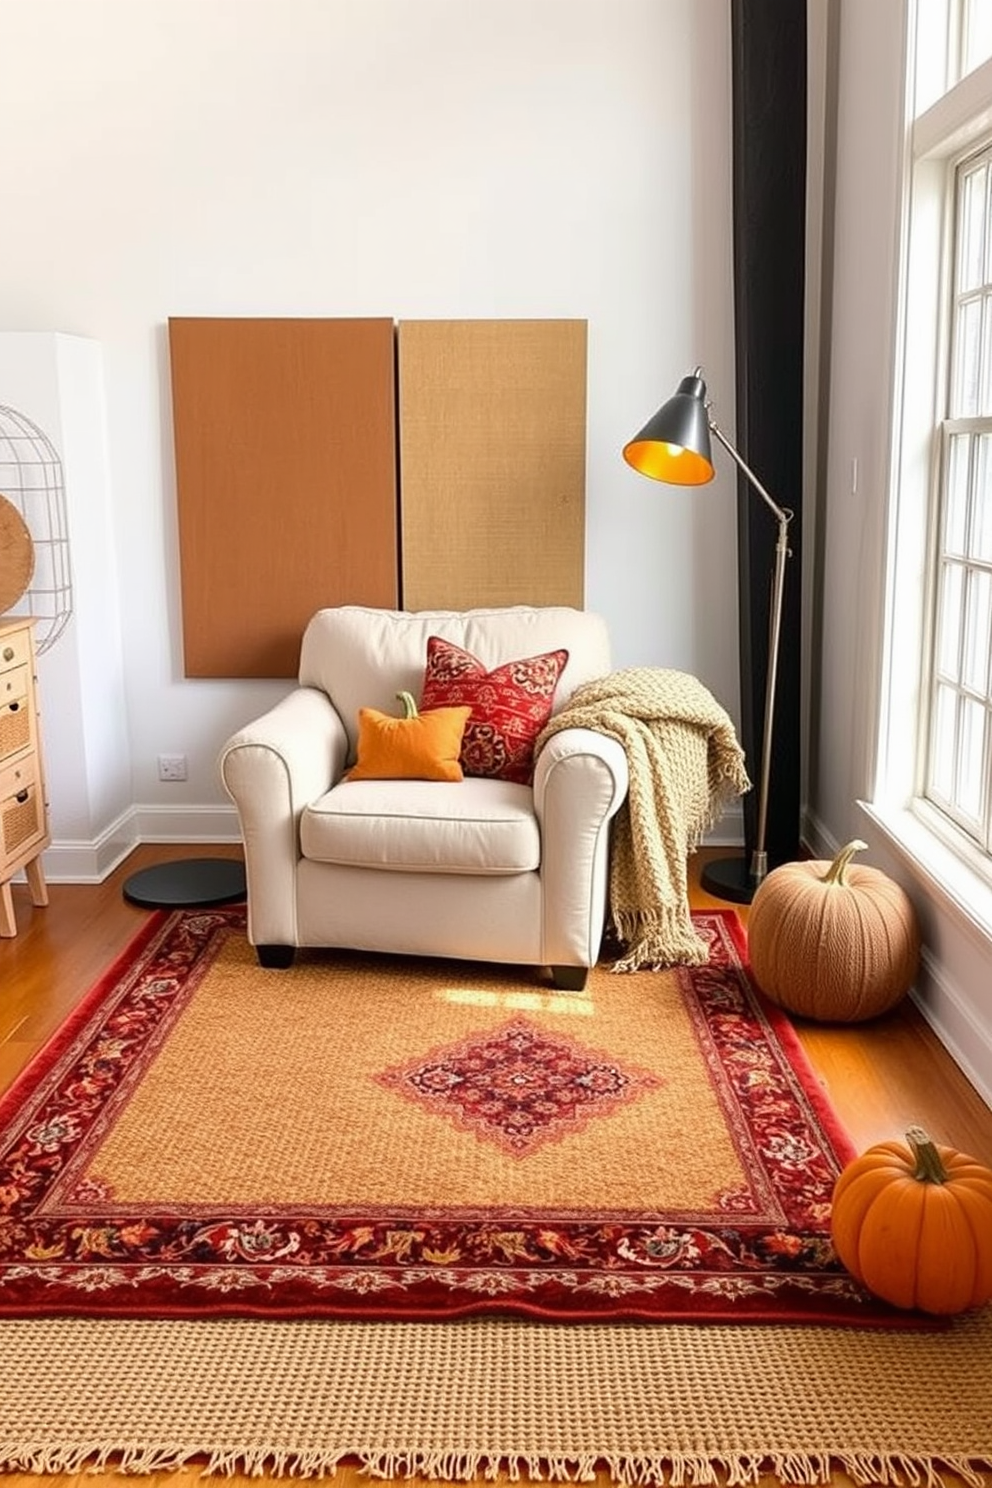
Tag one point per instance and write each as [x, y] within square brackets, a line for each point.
[674, 446]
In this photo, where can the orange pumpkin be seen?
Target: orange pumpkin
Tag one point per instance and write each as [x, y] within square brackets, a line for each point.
[913, 1223]
[838, 942]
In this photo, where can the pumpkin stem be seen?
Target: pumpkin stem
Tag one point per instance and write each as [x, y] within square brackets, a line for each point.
[409, 706]
[929, 1168]
[835, 873]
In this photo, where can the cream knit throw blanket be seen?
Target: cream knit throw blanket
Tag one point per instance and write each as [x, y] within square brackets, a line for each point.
[685, 766]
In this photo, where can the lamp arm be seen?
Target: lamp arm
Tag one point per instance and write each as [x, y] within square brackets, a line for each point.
[759, 856]
[778, 511]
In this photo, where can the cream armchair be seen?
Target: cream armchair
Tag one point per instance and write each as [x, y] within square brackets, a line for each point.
[482, 869]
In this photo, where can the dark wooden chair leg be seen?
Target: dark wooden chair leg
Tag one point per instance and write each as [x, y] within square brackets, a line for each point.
[278, 957]
[569, 978]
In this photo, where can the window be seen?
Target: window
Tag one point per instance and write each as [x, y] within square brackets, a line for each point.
[958, 756]
[932, 787]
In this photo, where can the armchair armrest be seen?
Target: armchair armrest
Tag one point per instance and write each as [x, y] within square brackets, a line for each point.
[580, 782]
[599, 751]
[272, 768]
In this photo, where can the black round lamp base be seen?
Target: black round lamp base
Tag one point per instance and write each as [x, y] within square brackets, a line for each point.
[729, 878]
[187, 883]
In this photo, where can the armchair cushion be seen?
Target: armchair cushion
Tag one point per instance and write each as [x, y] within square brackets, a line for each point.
[421, 826]
[509, 705]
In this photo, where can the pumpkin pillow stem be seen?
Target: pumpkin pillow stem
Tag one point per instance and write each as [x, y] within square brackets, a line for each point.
[836, 870]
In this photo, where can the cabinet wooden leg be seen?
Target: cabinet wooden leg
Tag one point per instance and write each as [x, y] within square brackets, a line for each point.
[36, 882]
[8, 925]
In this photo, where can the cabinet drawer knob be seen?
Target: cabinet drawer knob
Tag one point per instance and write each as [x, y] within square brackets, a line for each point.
[21, 797]
[14, 707]
[8, 653]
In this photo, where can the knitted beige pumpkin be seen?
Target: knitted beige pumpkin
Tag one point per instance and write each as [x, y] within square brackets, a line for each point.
[837, 942]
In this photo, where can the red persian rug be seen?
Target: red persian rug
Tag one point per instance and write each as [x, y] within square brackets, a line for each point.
[377, 1137]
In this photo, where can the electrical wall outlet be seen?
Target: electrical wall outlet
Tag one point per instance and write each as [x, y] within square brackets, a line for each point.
[172, 767]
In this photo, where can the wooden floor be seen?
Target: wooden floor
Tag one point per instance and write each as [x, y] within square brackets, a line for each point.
[881, 1077]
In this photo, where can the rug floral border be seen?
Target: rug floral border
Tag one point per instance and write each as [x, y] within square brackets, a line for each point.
[278, 1264]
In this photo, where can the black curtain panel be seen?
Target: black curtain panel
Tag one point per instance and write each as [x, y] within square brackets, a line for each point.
[769, 177]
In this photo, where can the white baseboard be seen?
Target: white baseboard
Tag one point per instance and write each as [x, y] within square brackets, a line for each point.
[952, 1020]
[186, 823]
[818, 842]
[67, 861]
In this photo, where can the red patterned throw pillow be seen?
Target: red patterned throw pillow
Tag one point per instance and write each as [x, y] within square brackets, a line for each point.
[510, 705]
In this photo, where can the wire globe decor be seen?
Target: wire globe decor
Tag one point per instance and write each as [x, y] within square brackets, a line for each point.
[32, 495]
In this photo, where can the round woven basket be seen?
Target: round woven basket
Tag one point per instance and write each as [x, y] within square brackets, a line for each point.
[33, 482]
[16, 555]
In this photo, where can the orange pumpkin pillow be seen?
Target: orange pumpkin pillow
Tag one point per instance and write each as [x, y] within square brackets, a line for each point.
[421, 746]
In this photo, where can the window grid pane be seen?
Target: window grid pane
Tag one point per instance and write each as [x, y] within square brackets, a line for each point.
[975, 660]
[980, 541]
[969, 789]
[955, 526]
[985, 376]
[971, 241]
[949, 611]
[968, 363]
[977, 33]
[943, 746]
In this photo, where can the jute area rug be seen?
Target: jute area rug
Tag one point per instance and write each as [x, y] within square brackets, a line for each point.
[676, 1403]
[463, 1396]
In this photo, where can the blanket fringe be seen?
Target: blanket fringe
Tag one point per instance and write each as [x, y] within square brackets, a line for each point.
[657, 938]
[661, 1470]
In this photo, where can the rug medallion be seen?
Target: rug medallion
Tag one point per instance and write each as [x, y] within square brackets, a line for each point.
[518, 1087]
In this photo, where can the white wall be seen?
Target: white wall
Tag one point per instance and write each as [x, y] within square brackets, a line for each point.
[446, 158]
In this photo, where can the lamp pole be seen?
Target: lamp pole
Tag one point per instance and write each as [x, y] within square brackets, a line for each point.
[759, 855]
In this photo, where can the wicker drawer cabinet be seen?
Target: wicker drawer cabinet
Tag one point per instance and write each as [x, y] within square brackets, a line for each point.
[23, 817]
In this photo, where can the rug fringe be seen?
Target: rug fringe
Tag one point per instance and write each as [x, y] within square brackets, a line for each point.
[679, 1470]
